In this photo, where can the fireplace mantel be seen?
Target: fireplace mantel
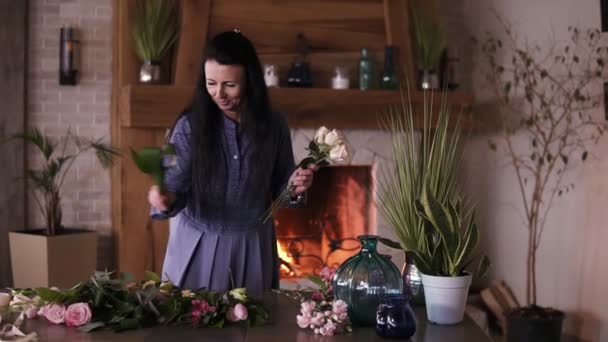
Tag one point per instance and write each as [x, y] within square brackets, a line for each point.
[156, 106]
[336, 31]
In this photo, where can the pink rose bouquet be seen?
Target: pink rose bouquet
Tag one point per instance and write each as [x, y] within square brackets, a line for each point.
[321, 312]
[120, 303]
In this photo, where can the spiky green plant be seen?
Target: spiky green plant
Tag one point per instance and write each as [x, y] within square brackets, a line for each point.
[155, 28]
[429, 42]
[424, 158]
[46, 181]
[419, 155]
[449, 245]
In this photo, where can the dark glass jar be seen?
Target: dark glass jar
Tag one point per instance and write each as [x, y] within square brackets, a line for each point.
[363, 279]
[389, 78]
[395, 317]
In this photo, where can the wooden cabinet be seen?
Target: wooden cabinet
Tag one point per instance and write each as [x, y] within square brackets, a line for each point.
[336, 30]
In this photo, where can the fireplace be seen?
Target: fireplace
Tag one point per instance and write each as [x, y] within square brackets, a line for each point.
[339, 208]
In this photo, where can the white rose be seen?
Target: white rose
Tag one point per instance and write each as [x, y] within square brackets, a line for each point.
[339, 153]
[320, 135]
[333, 138]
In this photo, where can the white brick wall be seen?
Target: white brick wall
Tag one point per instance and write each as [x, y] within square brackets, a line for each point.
[84, 108]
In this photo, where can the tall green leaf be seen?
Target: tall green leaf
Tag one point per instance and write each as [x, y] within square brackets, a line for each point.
[155, 28]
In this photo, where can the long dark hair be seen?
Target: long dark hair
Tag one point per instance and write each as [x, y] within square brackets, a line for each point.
[209, 164]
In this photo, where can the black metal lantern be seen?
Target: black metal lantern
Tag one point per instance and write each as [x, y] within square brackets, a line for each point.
[69, 50]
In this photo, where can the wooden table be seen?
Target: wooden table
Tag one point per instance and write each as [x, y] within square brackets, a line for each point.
[283, 328]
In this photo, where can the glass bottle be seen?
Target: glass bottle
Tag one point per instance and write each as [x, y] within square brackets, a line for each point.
[389, 79]
[366, 70]
[363, 279]
[395, 317]
[412, 281]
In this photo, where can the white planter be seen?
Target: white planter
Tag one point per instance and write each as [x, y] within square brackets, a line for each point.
[445, 298]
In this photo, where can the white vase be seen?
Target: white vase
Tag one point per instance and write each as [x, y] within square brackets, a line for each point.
[445, 298]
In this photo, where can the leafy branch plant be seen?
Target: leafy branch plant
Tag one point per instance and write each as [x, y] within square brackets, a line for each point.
[155, 28]
[547, 97]
[59, 156]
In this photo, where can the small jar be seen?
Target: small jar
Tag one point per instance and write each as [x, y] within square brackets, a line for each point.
[395, 317]
[271, 75]
[340, 79]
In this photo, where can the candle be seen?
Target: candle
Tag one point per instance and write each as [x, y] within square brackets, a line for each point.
[272, 80]
[339, 82]
[340, 79]
[271, 77]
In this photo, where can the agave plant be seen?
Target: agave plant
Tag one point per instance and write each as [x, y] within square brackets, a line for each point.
[426, 155]
[154, 29]
[448, 246]
[59, 156]
[425, 166]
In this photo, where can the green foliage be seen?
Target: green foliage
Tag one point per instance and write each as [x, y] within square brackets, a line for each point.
[428, 159]
[120, 305]
[59, 156]
[451, 245]
[155, 28]
[429, 41]
[149, 160]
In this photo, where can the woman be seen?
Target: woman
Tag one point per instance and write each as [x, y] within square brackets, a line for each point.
[233, 156]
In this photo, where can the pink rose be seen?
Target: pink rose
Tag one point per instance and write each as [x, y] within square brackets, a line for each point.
[238, 313]
[303, 321]
[31, 312]
[54, 313]
[78, 314]
[328, 329]
[327, 273]
[317, 296]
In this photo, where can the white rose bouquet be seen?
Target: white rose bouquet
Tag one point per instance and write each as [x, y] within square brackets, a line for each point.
[325, 148]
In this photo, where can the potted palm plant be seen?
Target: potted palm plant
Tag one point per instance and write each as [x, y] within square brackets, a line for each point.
[154, 32]
[54, 255]
[544, 96]
[424, 173]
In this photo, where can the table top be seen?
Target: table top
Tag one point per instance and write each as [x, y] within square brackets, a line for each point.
[283, 327]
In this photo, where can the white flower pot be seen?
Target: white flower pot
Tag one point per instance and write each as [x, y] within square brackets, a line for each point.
[445, 298]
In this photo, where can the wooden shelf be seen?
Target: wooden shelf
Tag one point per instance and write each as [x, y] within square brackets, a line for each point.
[156, 106]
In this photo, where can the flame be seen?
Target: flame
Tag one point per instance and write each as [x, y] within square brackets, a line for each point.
[285, 257]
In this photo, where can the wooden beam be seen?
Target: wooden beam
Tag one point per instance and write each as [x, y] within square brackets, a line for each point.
[194, 25]
[158, 106]
[13, 39]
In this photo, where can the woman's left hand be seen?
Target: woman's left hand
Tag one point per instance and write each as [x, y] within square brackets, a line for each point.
[301, 179]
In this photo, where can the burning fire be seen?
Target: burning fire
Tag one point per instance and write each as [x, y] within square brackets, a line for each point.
[285, 260]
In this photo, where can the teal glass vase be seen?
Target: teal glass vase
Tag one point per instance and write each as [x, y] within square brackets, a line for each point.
[363, 279]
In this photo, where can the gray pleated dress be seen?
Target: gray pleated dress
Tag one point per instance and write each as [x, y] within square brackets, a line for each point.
[229, 246]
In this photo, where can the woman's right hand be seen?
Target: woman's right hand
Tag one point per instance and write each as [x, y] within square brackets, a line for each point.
[159, 199]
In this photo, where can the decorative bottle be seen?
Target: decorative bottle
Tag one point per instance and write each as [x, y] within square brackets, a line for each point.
[395, 317]
[389, 79]
[363, 279]
[366, 70]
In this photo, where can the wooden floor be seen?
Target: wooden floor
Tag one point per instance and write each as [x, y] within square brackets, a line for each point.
[284, 328]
